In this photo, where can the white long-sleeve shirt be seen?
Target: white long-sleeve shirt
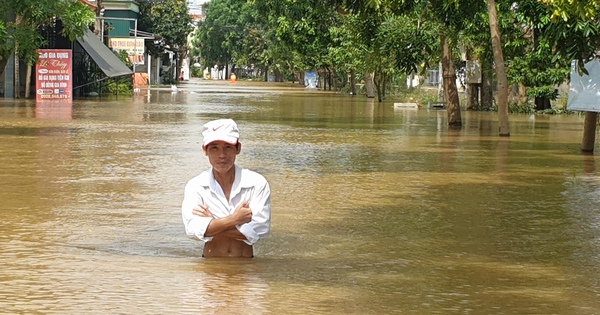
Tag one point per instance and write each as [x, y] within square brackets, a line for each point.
[248, 185]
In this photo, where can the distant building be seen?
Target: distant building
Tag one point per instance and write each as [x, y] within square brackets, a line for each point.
[196, 10]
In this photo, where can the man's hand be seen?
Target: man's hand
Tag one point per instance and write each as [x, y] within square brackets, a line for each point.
[242, 213]
[202, 211]
[226, 225]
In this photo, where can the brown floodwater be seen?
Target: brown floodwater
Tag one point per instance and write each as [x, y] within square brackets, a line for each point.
[376, 210]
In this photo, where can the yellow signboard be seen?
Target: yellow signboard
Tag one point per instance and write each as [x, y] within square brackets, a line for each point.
[133, 46]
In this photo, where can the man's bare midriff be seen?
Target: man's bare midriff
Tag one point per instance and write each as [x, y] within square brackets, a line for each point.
[223, 246]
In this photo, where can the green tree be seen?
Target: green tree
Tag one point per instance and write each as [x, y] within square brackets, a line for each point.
[256, 40]
[220, 36]
[171, 20]
[392, 39]
[347, 49]
[578, 38]
[476, 43]
[20, 22]
[533, 63]
[398, 49]
[299, 33]
[449, 18]
[569, 10]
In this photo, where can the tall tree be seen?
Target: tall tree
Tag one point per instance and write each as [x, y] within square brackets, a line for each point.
[453, 16]
[531, 55]
[171, 20]
[347, 49]
[397, 35]
[579, 40]
[255, 40]
[392, 36]
[302, 33]
[504, 128]
[220, 35]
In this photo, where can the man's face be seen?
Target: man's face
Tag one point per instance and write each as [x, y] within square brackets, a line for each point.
[221, 155]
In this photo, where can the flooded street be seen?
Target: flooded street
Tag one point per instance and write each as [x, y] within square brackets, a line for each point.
[376, 210]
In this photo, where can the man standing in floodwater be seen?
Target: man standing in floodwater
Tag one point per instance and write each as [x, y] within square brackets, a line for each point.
[227, 207]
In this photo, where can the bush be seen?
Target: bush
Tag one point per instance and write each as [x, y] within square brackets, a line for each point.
[196, 72]
[124, 87]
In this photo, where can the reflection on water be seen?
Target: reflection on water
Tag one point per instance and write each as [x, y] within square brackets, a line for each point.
[53, 110]
[376, 210]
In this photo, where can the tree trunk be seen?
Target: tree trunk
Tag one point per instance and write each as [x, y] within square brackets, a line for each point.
[522, 95]
[335, 80]
[472, 85]
[450, 90]
[504, 129]
[472, 96]
[3, 63]
[28, 82]
[379, 85]
[384, 86]
[17, 73]
[17, 82]
[321, 80]
[369, 85]
[98, 23]
[589, 132]
[487, 92]
[352, 83]
[440, 86]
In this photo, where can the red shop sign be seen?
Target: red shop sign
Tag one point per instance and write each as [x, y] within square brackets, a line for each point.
[54, 75]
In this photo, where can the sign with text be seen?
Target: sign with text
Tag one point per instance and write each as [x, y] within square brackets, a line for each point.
[133, 46]
[54, 75]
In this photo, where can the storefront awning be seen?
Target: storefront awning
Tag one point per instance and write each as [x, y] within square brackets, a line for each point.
[103, 56]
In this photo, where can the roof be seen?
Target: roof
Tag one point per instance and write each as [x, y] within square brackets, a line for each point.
[104, 57]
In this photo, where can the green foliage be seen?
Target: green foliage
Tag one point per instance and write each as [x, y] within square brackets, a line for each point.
[347, 49]
[124, 57]
[397, 39]
[23, 32]
[547, 91]
[196, 72]
[392, 38]
[75, 16]
[170, 19]
[533, 54]
[566, 10]
[121, 86]
[28, 41]
[575, 29]
[220, 35]
[515, 108]
[298, 33]
[33, 14]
